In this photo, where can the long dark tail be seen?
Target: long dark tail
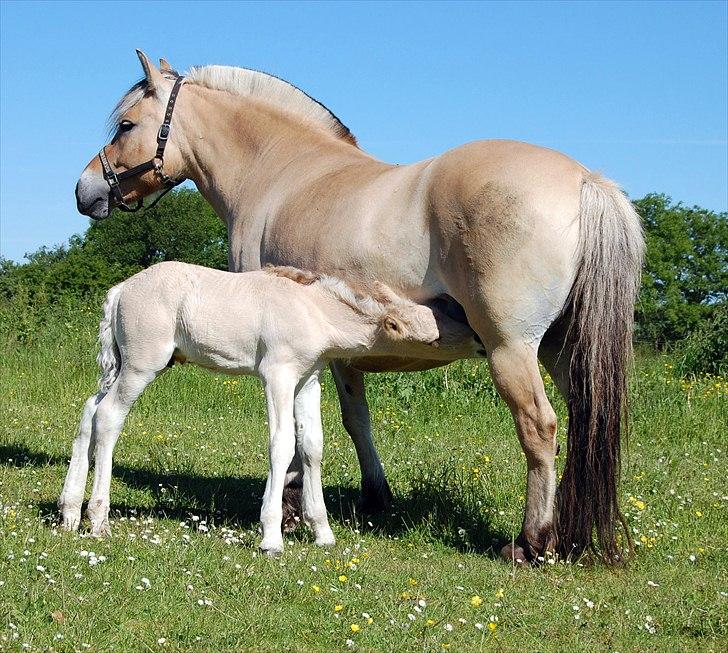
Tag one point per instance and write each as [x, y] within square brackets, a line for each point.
[600, 338]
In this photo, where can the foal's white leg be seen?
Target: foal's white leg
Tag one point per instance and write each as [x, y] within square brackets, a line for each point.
[72, 494]
[280, 387]
[310, 441]
[107, 423]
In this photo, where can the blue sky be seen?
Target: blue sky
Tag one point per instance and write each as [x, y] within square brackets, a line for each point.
[636, 90]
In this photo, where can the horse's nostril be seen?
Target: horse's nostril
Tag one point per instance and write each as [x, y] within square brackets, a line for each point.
[435, 343]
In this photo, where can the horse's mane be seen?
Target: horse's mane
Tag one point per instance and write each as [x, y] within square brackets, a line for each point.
[370, 304]
[252, 83]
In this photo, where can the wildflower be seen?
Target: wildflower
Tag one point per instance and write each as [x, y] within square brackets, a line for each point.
[430, 622]
[316, 589]
[413, 581]
[476, 601]
[499, 593]
[338, 608]
[343, 578]
[161, 641]
[479, 626]
[355, 628]
[448, 628]
[349, 643]
[492, 625]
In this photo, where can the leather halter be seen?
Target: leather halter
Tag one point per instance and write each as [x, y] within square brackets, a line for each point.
[156, 163]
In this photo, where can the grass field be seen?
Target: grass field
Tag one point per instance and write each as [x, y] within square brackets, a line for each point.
[182, 571]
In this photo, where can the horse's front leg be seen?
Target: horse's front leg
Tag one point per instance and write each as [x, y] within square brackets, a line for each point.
[280, 388]
[375, 493]
[310, 444]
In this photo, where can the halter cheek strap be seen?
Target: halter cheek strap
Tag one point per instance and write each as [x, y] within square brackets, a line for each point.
[156, 163]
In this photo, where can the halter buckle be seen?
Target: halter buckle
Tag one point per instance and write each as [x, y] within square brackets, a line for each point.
[163, 133]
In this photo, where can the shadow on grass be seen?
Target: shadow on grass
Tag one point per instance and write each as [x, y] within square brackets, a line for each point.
[440, 506]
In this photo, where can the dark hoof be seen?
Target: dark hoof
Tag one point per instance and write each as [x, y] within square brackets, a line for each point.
[530, 550]
[515, 554]
[292, 507]
[375, 498]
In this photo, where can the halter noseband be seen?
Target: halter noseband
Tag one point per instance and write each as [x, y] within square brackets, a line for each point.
[156, 163]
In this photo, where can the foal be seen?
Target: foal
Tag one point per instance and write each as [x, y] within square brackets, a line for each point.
[280, 324]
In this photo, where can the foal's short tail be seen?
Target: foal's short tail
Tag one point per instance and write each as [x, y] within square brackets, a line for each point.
[109, 358]
[600, 336]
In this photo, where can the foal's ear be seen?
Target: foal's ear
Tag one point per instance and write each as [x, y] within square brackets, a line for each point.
[393, 326]
[383, 293]
[151, 72]
[164, 66]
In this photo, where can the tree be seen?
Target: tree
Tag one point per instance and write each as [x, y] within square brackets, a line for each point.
[182, 227]
[686, 268]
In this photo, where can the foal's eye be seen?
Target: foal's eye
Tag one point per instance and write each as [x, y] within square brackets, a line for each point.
[126, 125]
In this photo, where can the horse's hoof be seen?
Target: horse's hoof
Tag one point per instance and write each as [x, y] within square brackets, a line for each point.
[375, 497]
[71, 522]
[101, 532]
[514, 553]
[272, 550]
[325, 539]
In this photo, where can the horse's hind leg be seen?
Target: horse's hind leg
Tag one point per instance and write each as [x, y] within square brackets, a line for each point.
[107, 424]
[514, 368]
[71, 497]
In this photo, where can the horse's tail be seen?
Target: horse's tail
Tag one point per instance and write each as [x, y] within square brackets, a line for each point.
[600, 337]
[109, 358]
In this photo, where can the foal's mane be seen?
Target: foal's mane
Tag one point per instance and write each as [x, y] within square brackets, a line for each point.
[251, 83]
[370, 304]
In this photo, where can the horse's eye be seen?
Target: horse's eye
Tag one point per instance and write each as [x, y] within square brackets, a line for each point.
[126, 125]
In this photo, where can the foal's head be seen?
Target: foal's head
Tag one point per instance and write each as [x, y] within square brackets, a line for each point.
[135, 124]
[404, 322]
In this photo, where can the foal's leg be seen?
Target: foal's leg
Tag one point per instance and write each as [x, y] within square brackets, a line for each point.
[280, 388]
[375, 493]
[107, 424]
[72, 494]
[514, 368]
[310, 443]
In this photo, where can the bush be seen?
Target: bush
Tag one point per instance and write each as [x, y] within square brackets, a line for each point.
[705, 351]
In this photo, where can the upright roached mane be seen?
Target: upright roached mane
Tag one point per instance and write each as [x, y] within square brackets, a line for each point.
[253, 83]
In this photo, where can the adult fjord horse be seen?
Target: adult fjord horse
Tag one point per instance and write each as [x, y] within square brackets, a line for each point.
[543, 255]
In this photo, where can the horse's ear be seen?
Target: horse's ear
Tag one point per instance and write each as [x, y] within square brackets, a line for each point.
[151, 72]
[164, 66]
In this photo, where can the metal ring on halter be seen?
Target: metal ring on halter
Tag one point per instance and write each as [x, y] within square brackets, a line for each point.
[156, 163]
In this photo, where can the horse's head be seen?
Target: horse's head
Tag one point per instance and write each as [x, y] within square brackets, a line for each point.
[133, 168]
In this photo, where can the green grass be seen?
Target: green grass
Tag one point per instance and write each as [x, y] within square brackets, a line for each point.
[188, 477]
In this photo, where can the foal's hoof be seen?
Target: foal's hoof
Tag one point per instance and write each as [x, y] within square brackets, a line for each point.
[100, 528]
[375, 497]
[71, 521]
[514, 553]
[272, 550]
[325, 539]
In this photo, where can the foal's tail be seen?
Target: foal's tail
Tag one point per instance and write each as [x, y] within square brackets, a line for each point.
[109, 358]
[600, 336]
